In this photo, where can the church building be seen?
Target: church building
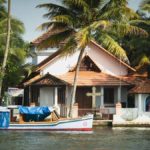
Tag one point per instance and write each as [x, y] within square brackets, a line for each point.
[100, 84]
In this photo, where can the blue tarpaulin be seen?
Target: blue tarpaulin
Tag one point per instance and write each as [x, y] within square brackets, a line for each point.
[4, 118]
[35, 113]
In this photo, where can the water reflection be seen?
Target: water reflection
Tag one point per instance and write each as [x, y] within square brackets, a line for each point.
[99, 139]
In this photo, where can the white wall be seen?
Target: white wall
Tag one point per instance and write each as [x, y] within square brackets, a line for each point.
[41, 58]
[144, 96]
[41, 55]
[46, 97]
[61, 64]
[106, 62]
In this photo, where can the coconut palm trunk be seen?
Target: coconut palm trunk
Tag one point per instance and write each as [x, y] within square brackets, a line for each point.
[6, 49]
[75, 81]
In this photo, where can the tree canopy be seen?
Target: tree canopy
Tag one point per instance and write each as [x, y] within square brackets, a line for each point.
[78, 21]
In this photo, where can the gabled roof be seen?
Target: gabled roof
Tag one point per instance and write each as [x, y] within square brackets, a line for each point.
[30, 81]
[50, 58]
[49, 80]
[46, 80]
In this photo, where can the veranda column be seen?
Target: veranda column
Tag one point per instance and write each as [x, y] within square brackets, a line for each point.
[118, 104]
[29, 95]
[57, 108]
[119, 94]
[140, 103]
[56, 97]
[102, 97]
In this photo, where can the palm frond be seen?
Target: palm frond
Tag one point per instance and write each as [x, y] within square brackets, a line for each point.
[18, 53]
[52, 25]
[143, 61]
[113, 47]
[127, 29]
[119, 13]
[83, 37]
[138, 21]
[54, 10]
[64, 19]
[103, 24]
[79, 5]
[69, 47]
[52, 7]
[145, 5]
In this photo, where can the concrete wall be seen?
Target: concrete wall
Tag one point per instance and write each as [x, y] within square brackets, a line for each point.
[143, 97]
[46, 96]
[129, 113]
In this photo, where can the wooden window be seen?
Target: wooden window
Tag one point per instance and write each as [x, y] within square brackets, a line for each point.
[88, 65]
[61, 95]
[108, 95]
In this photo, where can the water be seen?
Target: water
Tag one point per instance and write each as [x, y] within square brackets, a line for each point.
[100, 139]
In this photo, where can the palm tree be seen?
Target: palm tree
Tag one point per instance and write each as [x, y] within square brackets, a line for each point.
[15, 66]
[77, 22]
[7, 45]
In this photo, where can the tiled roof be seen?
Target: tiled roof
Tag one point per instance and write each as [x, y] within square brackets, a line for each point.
[85, 78]
[135, 78]
[44, 36]
[49, 80]
[142, 87]
[90, 78]
[30, 81]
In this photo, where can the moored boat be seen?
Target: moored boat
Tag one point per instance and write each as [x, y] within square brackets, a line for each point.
[53, 124]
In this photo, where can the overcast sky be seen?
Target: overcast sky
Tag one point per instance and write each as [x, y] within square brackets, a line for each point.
[32, 17]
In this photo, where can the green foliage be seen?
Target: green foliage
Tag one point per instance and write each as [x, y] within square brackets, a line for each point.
[145, 5]
[138, 48]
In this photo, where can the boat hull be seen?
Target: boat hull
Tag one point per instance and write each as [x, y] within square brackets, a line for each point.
[79, 124]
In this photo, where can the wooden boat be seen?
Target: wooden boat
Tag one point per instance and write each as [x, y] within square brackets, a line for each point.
[53, 124]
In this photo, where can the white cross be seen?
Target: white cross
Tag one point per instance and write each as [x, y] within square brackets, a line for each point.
[93, 94]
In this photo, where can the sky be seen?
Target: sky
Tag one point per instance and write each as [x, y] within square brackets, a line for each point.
[26, 11]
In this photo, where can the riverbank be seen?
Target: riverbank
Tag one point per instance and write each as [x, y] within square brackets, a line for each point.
[102, 123]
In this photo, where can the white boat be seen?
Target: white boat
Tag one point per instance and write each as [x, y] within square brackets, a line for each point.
[84, 123]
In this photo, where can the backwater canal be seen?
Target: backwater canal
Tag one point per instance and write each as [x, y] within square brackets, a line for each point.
[100, 139]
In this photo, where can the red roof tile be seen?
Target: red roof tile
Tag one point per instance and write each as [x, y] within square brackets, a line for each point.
[142, 87]
[49, 80]
[44, 36]
[90, 78]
